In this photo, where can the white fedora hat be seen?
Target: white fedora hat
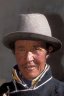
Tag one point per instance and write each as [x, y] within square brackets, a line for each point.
[32, 26]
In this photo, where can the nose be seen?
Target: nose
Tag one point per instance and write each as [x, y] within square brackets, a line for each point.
[30, 56]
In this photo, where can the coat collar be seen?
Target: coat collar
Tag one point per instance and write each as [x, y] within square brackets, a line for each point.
[43, 77]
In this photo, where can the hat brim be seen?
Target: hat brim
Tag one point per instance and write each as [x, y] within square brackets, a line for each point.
[9, 39]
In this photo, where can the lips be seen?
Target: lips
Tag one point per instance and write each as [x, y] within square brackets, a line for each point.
[30, 66]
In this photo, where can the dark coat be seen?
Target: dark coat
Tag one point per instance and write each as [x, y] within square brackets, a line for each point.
[47, 86]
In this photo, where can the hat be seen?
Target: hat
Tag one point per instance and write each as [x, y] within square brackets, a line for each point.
[32, 26]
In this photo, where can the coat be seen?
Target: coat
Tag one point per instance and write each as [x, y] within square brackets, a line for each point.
[47, 86]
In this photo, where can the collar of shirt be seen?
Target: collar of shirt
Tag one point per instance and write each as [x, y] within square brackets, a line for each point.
[26, 83]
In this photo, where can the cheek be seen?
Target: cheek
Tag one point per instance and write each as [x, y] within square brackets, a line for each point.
[40, 57]
[20, 59]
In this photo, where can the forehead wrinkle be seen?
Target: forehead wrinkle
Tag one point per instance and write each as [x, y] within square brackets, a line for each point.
[28, 43]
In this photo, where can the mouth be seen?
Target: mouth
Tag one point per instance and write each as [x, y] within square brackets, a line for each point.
[30, 66]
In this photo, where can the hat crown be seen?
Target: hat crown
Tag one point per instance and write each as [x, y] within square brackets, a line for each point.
[32, 27]
[34, 23]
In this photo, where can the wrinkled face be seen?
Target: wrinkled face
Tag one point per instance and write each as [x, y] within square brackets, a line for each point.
[31, 57]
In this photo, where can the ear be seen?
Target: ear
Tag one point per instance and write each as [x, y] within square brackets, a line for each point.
[47, 56]
[50, 49]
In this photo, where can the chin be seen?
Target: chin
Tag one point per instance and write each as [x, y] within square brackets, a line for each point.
[30, 73]
[30, 76]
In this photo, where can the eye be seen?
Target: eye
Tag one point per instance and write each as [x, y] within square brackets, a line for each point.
[20, 49]
[39, 49]
[36, 49]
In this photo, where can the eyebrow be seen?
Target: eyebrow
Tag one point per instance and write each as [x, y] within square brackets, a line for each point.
[19, 47]
[36, 46]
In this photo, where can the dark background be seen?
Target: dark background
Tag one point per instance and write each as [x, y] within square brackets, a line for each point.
[54, 11]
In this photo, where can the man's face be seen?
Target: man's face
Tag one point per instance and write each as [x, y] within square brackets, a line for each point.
[30, 57]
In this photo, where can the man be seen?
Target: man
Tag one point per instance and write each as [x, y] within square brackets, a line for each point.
[32, 44]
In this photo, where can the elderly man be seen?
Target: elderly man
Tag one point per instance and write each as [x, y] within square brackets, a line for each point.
[32, 44]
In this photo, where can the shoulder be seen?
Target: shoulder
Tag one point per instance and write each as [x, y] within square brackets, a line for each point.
[57, 82]
[6, 86]
[59, 87]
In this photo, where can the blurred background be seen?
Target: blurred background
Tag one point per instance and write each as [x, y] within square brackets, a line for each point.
[54, 11]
